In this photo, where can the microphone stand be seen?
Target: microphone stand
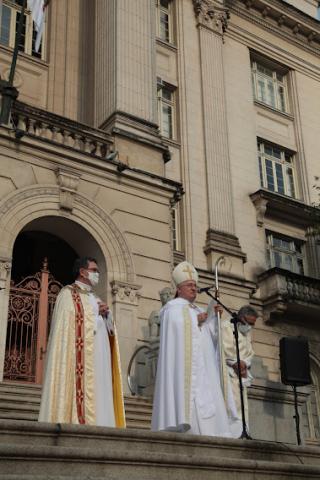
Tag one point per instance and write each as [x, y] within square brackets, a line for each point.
[234, 321]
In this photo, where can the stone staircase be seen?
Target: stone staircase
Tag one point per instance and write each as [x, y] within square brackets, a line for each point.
[30, 450]
[20, 401]
[41, 451]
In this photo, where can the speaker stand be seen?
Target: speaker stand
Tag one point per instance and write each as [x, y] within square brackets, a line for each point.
[296, 416]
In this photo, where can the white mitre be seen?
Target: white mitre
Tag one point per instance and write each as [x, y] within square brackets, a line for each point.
[184, 271]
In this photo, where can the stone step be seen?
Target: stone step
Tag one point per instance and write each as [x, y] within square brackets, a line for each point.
[9, 403]
[45, 477]
[19, 400]
[133, 421]
[138, 410]
[90, 452]
[138, 402]
[14, 415]
[22, 402]
[15, 387]
[19, 409]
[131, 425]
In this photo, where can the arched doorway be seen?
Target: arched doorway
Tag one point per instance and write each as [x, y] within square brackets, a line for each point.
[42, 263]
[90, 230]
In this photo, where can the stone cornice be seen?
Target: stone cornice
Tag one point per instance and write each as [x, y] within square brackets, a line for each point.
[211, 14]
[281, 19]
[288, 209]
[71, 144]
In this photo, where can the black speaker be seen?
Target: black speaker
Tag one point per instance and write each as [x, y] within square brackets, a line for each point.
[294, 361]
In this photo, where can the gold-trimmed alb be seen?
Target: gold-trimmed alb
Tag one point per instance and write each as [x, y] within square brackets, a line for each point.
[187, 361]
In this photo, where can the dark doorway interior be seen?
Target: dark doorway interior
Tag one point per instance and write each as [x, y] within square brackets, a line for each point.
[30, 250]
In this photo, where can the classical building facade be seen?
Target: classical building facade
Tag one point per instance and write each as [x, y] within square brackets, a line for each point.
[149, 131]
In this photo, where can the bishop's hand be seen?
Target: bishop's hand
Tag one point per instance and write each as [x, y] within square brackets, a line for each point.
[243, 368]
[103, 309]
[202, 317]
[218, 309]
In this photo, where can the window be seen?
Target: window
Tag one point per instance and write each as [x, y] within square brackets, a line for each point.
[284, 252]
[165, 20]
[166, 109]
[276, 168]
[269, 86]
[175, 223]
[9, 24]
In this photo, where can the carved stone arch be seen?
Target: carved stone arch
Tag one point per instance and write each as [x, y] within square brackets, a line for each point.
[39, 204]
[22, 207]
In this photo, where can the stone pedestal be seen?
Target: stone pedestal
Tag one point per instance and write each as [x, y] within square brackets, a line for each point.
[125, 299]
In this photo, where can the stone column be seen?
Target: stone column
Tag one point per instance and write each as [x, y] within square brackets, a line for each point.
[212, 18]
[5, 269]
[125, 298]
[65, 64]
[125, 79]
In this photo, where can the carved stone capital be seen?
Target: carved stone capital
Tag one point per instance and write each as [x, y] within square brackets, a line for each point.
[68, 181]
[125, 292]
[212, 14]
[5, 268]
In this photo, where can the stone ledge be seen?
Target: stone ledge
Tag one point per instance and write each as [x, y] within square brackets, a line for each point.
[142, 465]
[223, 242]
[35, 435]
[282, 19]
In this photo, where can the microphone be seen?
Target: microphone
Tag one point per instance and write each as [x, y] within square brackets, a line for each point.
[206, 289]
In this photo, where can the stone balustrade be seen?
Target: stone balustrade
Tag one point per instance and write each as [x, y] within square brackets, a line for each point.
[304, 289]
[58, 130]
[284, 292]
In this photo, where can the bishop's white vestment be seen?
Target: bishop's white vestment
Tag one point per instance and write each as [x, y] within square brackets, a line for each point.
[188, 395]
[82, 382]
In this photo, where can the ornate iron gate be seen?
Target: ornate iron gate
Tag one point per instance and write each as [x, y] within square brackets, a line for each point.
[31, 303]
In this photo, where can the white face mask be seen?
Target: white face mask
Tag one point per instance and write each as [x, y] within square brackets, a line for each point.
[93, 278]
[244, 328]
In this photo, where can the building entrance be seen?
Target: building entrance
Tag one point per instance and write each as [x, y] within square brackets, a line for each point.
[42, 264]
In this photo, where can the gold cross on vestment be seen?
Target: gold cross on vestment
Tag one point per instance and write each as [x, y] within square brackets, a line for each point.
[189, 271]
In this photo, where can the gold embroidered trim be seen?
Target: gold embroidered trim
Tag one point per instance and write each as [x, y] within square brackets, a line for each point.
[79, 355]
[187, 361]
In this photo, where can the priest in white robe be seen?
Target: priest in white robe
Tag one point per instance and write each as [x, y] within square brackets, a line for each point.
[188, 395]
[247, 318]
[82, 382]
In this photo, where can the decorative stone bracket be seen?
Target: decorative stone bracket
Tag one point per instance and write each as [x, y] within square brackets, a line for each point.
[68, 181]
[261, 208]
